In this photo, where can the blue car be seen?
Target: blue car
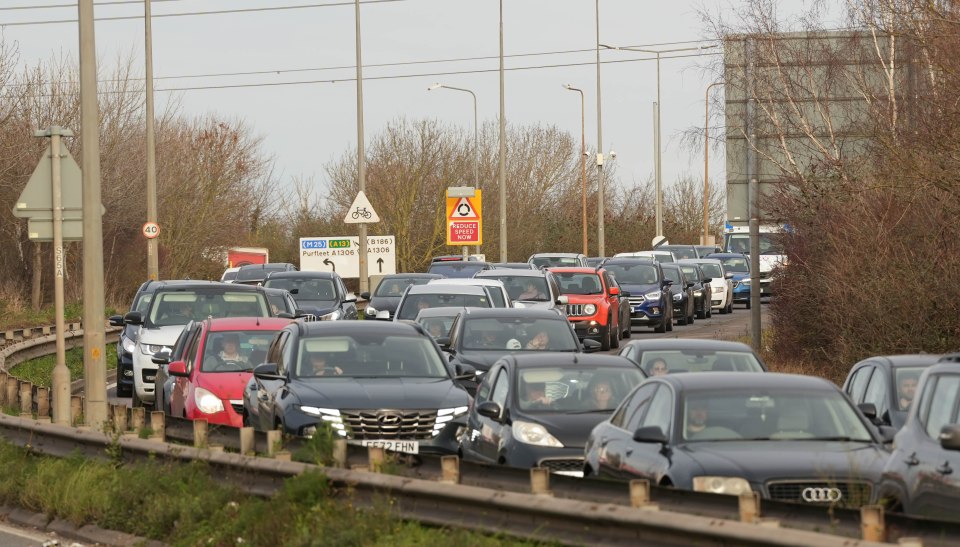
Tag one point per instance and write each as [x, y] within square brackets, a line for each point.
[739, 265]
[650, 300]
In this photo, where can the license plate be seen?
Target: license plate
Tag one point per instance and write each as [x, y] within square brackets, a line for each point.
[407, 447]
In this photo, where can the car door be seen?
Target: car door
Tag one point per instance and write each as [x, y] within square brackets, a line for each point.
[471, 437]
[349, 308]
[856, 384]
[492, 431]
[267, 389]
[878, 393]
[647, 460]
[615, 438]
[933, 479]
[180, 387]
[616, 300]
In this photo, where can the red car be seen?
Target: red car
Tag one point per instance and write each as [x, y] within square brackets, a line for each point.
[218, 362]
[594, 307]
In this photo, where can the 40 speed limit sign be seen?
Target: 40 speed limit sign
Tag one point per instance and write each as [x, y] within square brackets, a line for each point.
[150, 230]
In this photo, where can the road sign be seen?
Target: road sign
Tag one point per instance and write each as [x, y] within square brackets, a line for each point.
[37, 194]
[465, 219]
[341, 254]
[361, 212]
[150, 230]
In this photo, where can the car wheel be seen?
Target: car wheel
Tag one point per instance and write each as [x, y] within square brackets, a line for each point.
[614, 334]
[709, 310]
[605, 338]
[662, 327]
[730, 306]
[670, 321]
[628, 332]
[702, 312]
[683, 319]
[123, 391]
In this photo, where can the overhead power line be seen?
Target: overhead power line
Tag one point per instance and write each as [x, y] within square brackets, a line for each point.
[74, 5]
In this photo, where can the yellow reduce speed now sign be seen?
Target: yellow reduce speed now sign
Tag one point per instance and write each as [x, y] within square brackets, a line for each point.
[464, 217]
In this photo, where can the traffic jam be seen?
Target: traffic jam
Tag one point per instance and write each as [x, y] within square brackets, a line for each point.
[547, 363]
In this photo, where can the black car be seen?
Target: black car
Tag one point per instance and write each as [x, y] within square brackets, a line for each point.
[787, 437]
[381, 384]
[681, 289]
[282, 303]
[536, 410]
[479, 337]
[512, 266]
[921, 476]
[702, 292]
[650, 298]
[254, 274]
[382, 304]
[321, 294]
[889, 383]
[457, 268]
[674, 355]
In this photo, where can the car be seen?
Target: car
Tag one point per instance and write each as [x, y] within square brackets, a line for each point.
[457, 268]
[127, 343]
[375, 383]
[702, 290]
[455, 258]
[721, 283]
[594, 261]
[537, 409]
[650, 297]
[889, 383]
[550, 260]
[681, 290]
[704, 250]
[322, 294]
[594, 305]
[785, 437]
[173, 306]
[501, 299]
[739, 265]
[418, 297]
[920, 476]
[207, 381]
[673, 355]
[383, 303]
[283, 305]
[438, 321]
[680, 252]
[254, 274]
[229, 274]
[665, 257]
[512, 266]
[479, 337]
[531, 288]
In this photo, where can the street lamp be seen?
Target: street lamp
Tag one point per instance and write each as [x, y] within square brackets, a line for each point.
[583, 163]
[600, 198]
[476, 138]
[706, 163]
[656, 121]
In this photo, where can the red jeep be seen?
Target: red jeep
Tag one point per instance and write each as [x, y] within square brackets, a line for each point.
[594, 305]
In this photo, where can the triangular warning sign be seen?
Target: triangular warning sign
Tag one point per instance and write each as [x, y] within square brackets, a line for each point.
[361, 212]
[463, 209]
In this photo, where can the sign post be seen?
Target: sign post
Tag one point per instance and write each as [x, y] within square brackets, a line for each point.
[464, 217]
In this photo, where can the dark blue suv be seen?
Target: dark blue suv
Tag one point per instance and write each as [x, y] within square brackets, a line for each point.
[739, 265]
[650, 299]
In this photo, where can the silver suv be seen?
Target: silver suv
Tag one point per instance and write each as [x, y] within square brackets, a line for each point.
[530, 288]
[557, 260]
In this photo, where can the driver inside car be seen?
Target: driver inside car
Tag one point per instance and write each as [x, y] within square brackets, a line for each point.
[231, 349]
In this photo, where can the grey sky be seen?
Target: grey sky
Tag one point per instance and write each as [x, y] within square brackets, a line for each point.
[307, 125]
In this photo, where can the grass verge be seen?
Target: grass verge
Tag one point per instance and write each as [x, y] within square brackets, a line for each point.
[40, 370]
[16, 315]
[183, 504]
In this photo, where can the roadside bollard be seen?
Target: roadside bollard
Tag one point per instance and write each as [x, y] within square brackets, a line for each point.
[910, 542]
[375, 456]
[247, 441]
[540, 481]
[640, 495]
[43, 402]
[11, 389]
[26, 400]
[76, 409]
[282, 455]
[199, 433]
[274, 438]
[340, 453]
[137, 418]
[872, 523]
[450, 467]
[157, 426]
[120, 418]
[749, 507]
[3, 391]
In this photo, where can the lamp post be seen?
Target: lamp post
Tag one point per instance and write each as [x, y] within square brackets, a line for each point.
[600, 199]
[153, 264]
[476, 136]
[361, 153]
[656, 122]
[583, 163]
[706, 163]
[503, 153]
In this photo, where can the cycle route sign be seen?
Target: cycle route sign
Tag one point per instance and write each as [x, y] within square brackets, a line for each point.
[361, 212]
[341, 254]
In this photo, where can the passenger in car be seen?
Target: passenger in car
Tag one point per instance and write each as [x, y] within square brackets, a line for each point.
[907, 388]
[601, 391]
[658, 367]
[540, 341]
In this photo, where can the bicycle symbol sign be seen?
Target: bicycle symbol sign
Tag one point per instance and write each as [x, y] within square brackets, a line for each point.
[361, 212]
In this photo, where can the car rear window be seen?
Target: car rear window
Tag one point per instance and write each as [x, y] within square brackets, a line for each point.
[412, 305]
[456, 269]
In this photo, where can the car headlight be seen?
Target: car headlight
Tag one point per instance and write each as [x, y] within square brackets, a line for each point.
[697, 293]
[678, 297]
[534, 434]
[655, 295]
[370, 311]
[332, 316]
[734, 486]
[329, 415]
[590, 309]
[129, 345]
[445, 415]
[152, 349]
[207, 402]
[745, 281]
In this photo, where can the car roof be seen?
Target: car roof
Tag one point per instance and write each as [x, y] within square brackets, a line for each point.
[509, 272]
[302, 275]
[697, 381]
[411, 275]
[726, 255]
[448, 288]
[199, 284]
[700, 261]
[564, 255]
[528, 313]
[466, 281]
[950, 367]
[630, 260]
[150, 286]
[687, 343]
[247, 323]
[568, 359]
[351, 328]
[442, 311]
[267, 266]
[575, 269]
[905, 360]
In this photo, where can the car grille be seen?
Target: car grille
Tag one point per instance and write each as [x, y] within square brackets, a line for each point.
[635, 300]
[389, 424]
[854, 494]
[237, 406]
[574, 310]
[565, 464]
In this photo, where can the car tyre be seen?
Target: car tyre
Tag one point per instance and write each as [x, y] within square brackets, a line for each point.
[670, 321]
[614, 334]
[135, 399]
[683, 319]
[702, 312]
[662, 327]
[628, 332]
[605, 338]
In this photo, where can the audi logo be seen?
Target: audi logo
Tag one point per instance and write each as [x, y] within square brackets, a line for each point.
[389, 419]
[814, 495]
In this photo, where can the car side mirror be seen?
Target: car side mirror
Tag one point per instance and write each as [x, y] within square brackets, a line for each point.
[490, 409]
[614, 291]
[465, 372]
[690, 285]
[267, 371]
[133, 318]
[443, 342]
[869, 410]
[887, 433]
[650, 434]
[950, 437]
[591, 345]
[116, 320]
[177, 368]
[625, 294]
[563, 300]
[707, 279]
[365, 295]
[162, 357]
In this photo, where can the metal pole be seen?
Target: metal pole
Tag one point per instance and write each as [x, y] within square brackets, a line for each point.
[583, 170]
[153, 266]
[476, 149]
[754, 201]
[659, 156]
[503, 153]
[656, 169]
[95, 378]
[600, 199]
[361, 155]
[706, 165]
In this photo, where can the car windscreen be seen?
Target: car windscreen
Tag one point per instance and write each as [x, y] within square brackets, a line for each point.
[524, 287]
[711, 270]
[394, 286]
[579, 283]
[369, 356]
[673, 274]
[740, 243]
[518, 334]
[413, 303]
[770, 414]
[736, 264]
[699, 360]
[278, 304]
[182, 306]
[235, 351]
[254, 274]
[229, 276]
[681, 252]
[633, 274]
[305, 290]
[566, 389]
[456, 269]
[691, 272]
[554, 261]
